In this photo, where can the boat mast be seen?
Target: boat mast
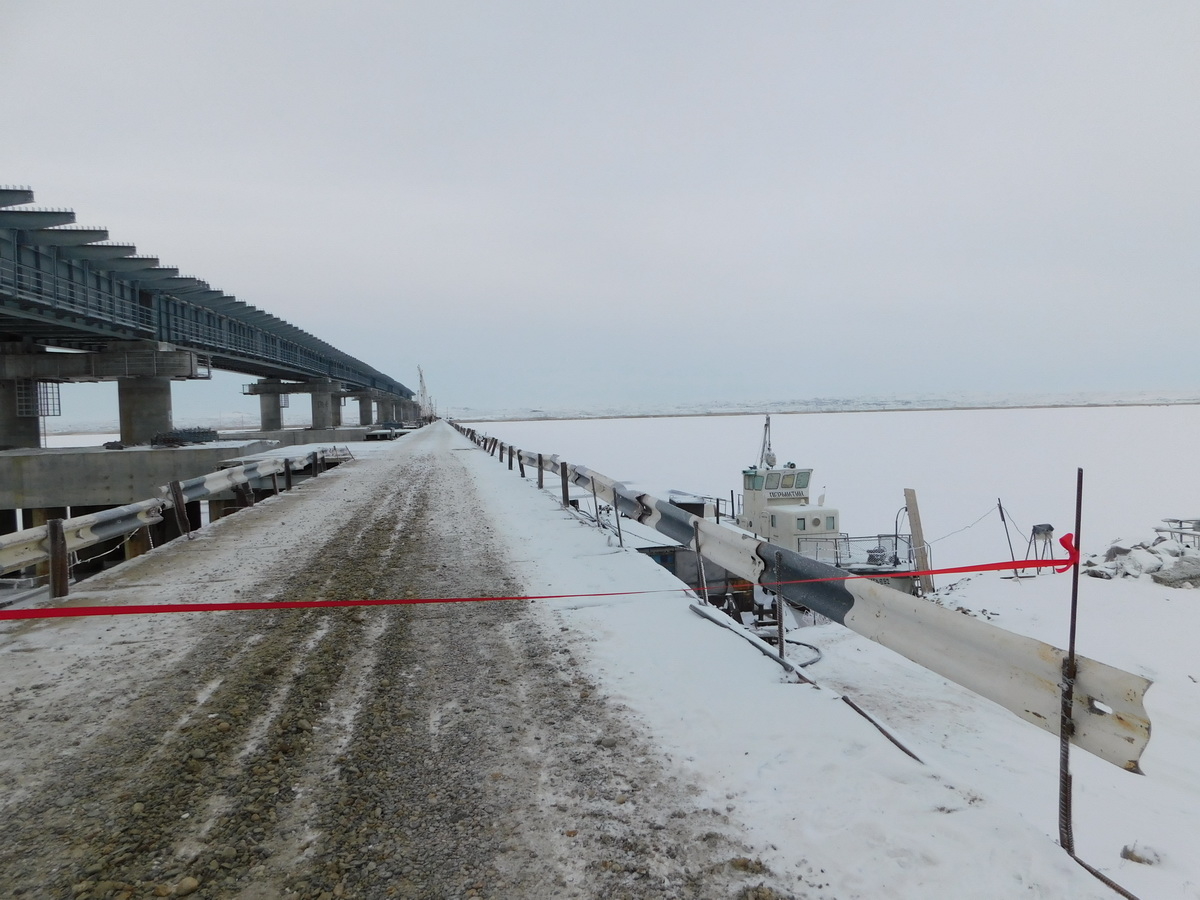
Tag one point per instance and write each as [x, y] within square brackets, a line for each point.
[766, 456]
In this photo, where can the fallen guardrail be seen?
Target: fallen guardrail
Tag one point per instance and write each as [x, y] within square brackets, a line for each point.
[1019, 673]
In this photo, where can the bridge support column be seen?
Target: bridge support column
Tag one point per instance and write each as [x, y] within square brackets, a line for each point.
[16, 431]
[145, 407]
[270, 409]
[364, 411]
[322, 406]
[336, 408]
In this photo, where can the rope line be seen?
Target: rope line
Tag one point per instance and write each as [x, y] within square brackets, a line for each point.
[991, 509]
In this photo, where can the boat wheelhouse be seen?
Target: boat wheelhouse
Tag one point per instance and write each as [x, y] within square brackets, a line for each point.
[776, 504]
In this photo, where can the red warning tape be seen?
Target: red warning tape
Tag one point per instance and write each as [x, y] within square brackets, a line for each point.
[58, 612]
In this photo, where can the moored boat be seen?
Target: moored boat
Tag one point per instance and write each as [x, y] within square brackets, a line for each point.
[776, 504]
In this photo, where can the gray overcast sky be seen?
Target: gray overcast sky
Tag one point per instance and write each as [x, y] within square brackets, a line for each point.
[553, 203]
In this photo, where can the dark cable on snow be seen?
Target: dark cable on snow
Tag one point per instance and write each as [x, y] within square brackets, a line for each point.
[815, 650]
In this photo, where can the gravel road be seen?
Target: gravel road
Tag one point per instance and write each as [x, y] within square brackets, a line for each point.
[424, 751]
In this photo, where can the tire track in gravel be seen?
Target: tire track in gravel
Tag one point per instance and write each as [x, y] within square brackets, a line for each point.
[115, 822]
[483, 764]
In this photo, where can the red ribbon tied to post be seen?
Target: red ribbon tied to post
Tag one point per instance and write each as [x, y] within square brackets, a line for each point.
[1068, 543]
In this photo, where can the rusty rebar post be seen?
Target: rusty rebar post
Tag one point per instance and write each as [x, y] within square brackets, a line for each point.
[779, 604]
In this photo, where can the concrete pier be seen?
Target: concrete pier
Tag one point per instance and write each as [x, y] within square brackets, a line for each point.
[322, 404]
[145, 407]
[270, 407]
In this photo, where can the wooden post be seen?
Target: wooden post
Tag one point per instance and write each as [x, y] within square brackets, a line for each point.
[139, 542]
[502, 453]
[918, 537]
[541, 473]
[180, 507]
[511, 451]
[287, 475]
[562, 471]
[60, 575]
[521, 463]
[596, 504]
[700, 563]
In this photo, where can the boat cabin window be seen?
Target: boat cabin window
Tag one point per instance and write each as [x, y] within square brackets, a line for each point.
[772, 521]
[830, 525]
[773, 481]
[752, 482]
[789, 481]
[802, 479]
[800, 524]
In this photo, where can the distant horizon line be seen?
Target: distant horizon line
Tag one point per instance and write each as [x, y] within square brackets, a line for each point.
[787, 411]
[810, 407]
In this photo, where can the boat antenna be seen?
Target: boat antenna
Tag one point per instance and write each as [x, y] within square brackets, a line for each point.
[766, 456]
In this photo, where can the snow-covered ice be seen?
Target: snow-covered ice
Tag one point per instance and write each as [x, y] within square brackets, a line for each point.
[979, 819]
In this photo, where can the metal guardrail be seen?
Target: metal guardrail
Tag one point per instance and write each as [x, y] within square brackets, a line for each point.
[1019, 673]
[1186, 531]
[32, 545]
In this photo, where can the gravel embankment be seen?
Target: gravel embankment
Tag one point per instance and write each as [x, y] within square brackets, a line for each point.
[425, 751]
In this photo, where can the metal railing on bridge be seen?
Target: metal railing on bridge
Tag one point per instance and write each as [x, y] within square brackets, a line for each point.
[32, 285]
